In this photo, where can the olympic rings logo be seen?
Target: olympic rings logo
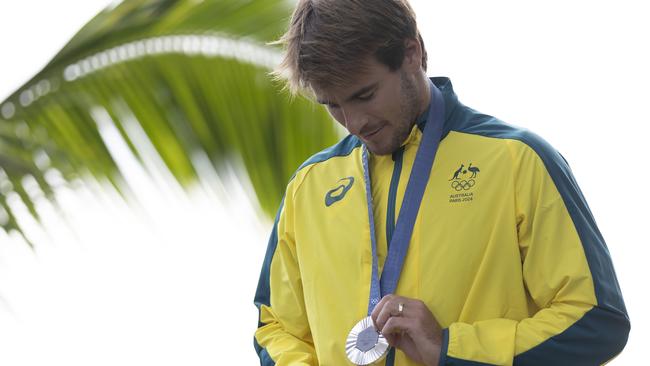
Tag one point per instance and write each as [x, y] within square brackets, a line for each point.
[463, 184]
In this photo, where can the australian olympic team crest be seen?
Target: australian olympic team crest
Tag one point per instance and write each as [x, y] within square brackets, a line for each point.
[462, 183]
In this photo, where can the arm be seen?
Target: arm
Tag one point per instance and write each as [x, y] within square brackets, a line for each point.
[580, 316]
[283, 336]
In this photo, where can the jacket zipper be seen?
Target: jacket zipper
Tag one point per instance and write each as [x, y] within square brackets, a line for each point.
[398, 157]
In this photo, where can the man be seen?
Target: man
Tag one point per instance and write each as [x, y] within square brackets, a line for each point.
[505, 264]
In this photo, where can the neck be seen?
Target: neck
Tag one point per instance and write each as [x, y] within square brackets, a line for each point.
[425, 94]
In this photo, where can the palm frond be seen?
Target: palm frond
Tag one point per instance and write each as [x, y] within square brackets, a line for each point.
[189, 78]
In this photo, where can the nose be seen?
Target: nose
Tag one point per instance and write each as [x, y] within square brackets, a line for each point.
[354, 120]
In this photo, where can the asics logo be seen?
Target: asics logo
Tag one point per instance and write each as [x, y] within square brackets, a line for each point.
[339, 192]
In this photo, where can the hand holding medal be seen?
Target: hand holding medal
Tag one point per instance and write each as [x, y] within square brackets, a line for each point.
[415, 332]
[409, 325]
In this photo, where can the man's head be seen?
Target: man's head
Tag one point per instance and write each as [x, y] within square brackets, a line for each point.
[363, 59]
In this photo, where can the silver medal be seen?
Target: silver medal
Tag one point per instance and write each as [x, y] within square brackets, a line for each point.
[365, 345]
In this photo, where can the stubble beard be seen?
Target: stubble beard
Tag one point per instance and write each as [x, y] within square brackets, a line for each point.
[409, 105]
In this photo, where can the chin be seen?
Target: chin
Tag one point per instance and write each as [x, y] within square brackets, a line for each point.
[381, 150]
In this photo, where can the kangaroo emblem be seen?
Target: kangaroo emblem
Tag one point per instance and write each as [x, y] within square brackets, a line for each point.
[458, 171]
[473, 169]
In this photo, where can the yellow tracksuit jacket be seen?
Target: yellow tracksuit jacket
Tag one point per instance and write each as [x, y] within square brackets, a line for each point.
[505, 252]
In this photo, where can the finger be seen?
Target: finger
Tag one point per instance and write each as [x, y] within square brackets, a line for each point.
[383, 313]
[377, 310]
[398, 325]
[380, 305]
[390, 309]
[393, 339]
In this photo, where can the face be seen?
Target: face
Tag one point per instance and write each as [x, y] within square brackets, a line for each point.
[379, 106]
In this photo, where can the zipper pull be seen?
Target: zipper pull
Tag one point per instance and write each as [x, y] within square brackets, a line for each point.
[396, 154]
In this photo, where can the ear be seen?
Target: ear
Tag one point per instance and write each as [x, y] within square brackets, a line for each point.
[412, 55]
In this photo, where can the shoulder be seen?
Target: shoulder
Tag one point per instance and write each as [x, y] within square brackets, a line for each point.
[336, 157]
[343, 148]
[521, 141]
[532, 160]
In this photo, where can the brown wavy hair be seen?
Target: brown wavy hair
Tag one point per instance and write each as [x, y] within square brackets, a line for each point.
[327, 40]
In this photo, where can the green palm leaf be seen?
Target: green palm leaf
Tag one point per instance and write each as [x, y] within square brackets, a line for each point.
[191, 77]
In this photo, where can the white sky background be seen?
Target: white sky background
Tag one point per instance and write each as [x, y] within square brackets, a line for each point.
[172, 282]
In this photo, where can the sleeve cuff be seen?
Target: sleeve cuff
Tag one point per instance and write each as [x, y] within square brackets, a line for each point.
[443, 348]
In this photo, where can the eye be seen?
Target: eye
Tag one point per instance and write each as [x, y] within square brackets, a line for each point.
[366, 97]
[331, 105]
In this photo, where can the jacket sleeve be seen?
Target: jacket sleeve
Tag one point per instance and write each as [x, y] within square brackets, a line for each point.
[579, 317]
[283, 335]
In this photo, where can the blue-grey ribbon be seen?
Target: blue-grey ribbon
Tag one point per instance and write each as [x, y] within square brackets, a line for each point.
[410, 204]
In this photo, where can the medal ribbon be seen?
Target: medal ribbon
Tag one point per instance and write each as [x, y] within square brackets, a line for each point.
[410, 204]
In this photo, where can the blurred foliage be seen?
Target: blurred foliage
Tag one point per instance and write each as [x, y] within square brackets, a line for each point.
[193, 75]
